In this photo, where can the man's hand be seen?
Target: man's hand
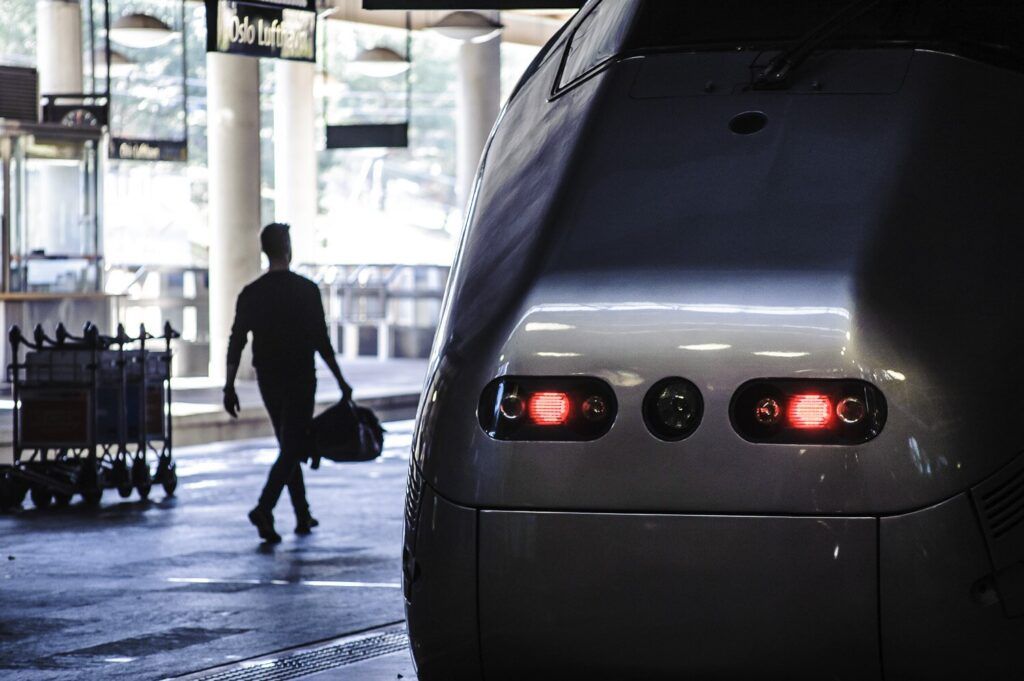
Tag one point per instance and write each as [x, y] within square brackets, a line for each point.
[231, 403]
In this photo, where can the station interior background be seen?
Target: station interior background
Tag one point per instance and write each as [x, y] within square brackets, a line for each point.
[121, 222]
[387, 220]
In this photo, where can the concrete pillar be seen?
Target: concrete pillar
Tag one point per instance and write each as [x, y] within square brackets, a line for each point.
[350, 342]
[59, 46]
[295, 156]
[384, 340]
[233, 138]
[479, 99]
[59, 61]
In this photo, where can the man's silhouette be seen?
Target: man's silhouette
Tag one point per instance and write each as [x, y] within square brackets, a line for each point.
[285, 314]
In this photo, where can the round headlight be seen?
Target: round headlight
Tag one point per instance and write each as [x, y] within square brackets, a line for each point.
[768, 412]
[512, 407]
[851, 411]
[673, 409]
[595, 408]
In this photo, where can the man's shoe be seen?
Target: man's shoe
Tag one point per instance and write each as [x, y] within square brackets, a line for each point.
[264, 523]
[305, 524]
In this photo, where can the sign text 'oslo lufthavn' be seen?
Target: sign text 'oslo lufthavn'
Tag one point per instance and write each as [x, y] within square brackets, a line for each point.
[282, 29]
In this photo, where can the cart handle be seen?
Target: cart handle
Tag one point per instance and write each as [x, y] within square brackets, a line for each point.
[17, 338]
[90, 336]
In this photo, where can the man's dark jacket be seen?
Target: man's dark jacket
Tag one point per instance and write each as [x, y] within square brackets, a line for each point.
[285, 314]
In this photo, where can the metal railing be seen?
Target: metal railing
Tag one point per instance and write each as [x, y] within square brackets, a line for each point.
[382, 311]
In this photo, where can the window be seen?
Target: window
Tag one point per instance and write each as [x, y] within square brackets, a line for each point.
[18, 33]
[596, 39]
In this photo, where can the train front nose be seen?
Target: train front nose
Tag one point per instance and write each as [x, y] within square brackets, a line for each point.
[806, 521]
[660, 595]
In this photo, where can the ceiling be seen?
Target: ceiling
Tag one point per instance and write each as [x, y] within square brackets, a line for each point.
[527, 27]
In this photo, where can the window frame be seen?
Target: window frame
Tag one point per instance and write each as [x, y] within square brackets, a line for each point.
[558, 88]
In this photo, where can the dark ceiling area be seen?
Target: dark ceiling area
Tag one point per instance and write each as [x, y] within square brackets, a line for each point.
[472, 4]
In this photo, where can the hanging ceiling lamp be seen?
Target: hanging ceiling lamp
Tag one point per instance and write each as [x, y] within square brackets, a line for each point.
[379, 62]
[467, 26]
[140, 31]
[120, 65]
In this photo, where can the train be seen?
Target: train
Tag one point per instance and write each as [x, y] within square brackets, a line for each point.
[729, 365]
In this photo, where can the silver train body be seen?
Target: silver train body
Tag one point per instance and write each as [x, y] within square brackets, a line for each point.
[643, 215]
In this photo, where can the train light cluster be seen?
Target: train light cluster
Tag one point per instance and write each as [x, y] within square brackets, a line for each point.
[775, 411]
[547, 409]
[787, 411]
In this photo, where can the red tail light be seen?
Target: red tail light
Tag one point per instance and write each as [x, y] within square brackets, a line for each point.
[549, 408]
[810, 412]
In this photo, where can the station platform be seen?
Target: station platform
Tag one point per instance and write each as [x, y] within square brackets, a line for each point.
[389, 387]
[182, 588]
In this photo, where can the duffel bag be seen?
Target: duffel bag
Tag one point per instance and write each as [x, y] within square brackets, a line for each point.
[346, 432]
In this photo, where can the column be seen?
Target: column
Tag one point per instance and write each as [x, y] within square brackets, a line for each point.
[295, 155]
[233, 138]
[479, 99]
[59, 46]
[59, 61]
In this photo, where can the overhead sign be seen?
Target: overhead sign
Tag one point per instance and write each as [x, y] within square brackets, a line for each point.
[385, 135]
[283, 29]
[127, 149]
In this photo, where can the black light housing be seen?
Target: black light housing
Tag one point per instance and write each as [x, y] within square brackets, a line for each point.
[801, 411]
[673, 409]
[547, 409]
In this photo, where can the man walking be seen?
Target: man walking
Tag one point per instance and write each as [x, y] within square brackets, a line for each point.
[285, 314]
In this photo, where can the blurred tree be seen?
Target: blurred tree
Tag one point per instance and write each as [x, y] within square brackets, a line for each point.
[18, 33]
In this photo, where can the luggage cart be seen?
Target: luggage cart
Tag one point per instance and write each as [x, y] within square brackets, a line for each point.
[88, 413]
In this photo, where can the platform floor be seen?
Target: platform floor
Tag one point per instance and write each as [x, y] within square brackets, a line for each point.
[176, 586]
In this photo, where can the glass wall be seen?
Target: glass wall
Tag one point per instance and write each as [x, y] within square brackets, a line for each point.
[54, 220]
[394, 206]
[389, 205]
[18, 33]
[380, 206]
[155, 212]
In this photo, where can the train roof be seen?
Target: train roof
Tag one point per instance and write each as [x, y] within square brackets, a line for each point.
[991, 30]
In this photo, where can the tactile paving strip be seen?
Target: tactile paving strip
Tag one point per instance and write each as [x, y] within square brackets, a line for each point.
[330, 656]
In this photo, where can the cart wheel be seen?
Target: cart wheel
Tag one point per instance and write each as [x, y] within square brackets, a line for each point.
[41, 496]
[91, 484]
[122, 478]
[142, 478]
[12, 491]
[20, 492]
[8, 493]
[169, 480]
[61, 499]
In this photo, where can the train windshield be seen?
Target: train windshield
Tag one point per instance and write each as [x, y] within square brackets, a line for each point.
[991, 31]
